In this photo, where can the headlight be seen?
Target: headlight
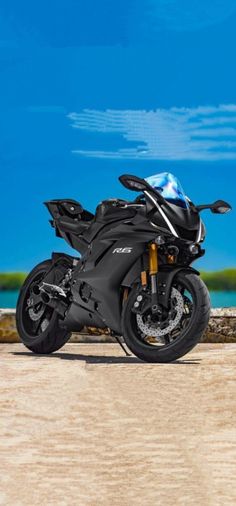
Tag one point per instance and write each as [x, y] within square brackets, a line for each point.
[194, 249]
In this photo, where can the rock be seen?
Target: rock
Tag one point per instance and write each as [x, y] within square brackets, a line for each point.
[221, 327]
[8, 332]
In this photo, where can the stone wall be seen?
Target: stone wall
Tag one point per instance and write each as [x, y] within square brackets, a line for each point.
[221, 329]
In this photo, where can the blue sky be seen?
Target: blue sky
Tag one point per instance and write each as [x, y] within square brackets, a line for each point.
[90, 90]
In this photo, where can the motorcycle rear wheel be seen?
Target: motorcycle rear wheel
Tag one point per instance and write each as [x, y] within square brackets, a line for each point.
[187, 337]
[44, 335]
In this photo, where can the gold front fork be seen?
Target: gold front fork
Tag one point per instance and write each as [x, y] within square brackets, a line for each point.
[153, 270]
[153, 259]
[153, 266]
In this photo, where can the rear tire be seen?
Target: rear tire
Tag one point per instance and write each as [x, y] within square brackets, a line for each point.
[53, 337]
[191, 335]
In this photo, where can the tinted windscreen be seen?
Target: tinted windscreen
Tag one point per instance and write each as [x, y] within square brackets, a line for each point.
[169, 187]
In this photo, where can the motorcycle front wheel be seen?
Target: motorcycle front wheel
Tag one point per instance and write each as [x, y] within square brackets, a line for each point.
[173, 332]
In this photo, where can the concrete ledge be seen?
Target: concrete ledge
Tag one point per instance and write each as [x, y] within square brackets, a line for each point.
[8, 333]
[221, 329]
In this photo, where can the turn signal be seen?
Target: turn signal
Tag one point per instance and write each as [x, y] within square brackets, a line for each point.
[159, 240]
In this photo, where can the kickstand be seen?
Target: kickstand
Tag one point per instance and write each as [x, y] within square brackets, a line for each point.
[122, 346]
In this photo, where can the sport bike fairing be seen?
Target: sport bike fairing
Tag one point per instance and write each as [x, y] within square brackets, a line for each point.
[111, 244]
[110, 257]
[177, 209]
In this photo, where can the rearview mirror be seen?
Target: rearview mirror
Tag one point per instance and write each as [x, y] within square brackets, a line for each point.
[220, 207]
[133, 183]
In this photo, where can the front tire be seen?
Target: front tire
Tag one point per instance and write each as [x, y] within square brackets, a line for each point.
[42, 339]
[187, 338]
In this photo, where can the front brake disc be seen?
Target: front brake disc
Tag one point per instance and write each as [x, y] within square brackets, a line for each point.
[152, 329]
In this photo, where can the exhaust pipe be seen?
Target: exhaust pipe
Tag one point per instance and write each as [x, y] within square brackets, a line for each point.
[49, 292]
[52, 295]
[45, 297]
[36, 290]
[53, 290]
[54, 300]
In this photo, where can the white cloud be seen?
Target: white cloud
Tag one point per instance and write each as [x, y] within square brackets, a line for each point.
[200, 133]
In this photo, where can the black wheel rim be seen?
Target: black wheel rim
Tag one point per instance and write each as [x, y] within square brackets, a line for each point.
[36, 315]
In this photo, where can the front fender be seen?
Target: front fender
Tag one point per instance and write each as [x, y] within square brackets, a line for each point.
[165, 279]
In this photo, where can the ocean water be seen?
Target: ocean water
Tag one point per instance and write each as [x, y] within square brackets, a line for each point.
[8, 298]
[218, 299]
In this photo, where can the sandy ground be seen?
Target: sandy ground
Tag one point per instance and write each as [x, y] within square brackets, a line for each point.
[88, 426]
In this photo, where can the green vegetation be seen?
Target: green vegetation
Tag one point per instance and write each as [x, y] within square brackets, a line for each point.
[11, 280]
[220, 281]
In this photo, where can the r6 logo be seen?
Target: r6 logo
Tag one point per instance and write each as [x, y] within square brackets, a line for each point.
[122, 250]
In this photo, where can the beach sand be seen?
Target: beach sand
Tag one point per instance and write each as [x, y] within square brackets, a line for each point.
[88, 426]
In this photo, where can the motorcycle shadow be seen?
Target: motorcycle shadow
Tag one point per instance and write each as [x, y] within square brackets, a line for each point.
[106, 359]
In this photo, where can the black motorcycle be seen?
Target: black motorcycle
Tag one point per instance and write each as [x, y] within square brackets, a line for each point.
[134, 275]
